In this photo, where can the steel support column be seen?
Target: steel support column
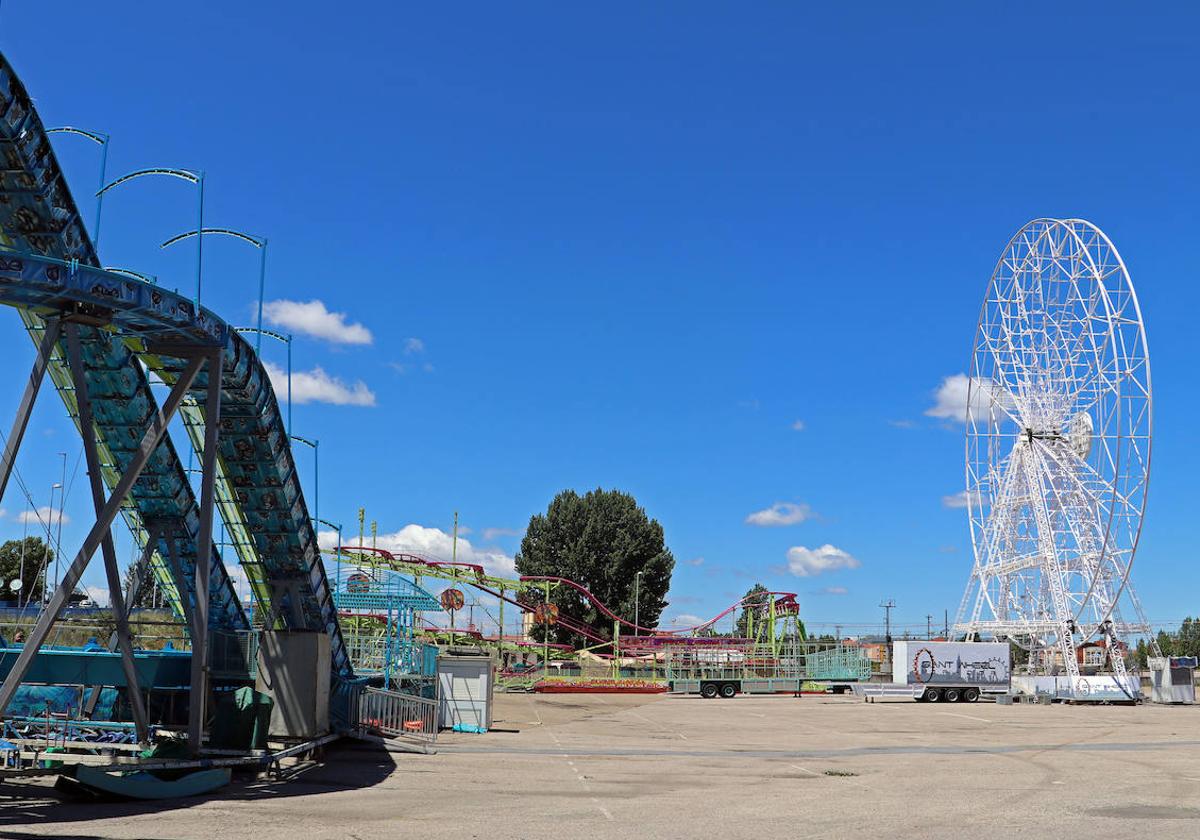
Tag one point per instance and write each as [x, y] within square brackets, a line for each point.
[87, 429]
[204, 546]
[58, 601]
[140, 572]
[53, 326]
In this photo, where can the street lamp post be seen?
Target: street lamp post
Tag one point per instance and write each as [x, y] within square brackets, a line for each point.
[637, 580]
[191, 177]
[50, 542]
[102, 141]
[286, 339]
[259, 242]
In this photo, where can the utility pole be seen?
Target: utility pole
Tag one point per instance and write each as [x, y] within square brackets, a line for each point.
[888, 606]
[946, 625]
[362, 517]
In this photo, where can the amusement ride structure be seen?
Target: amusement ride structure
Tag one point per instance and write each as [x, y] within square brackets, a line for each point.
[99, 334]
[1057, 449]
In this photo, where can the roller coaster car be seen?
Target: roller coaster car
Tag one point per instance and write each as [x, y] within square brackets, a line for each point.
[724, 689]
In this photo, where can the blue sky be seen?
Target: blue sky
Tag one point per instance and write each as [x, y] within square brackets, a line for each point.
[721, 256]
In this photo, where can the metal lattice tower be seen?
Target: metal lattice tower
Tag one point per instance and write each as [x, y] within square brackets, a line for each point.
[1057, 447]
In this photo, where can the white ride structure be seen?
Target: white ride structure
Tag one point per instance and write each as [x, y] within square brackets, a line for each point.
[1058, 449]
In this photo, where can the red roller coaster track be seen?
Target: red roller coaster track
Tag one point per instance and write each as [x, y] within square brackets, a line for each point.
[785, 602]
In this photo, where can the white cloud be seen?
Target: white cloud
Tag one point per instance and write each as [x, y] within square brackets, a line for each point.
[313, 319]
[833, 590]
[959, 500]
[492, 533]
[43, 516]
[98, 595]
[695, 561]
[798, 426]
[780, 513]
[316, 385]
[902, 424]
[686, 620]
[413, 345]
[435, 543]
[808, 562]
[950, 398]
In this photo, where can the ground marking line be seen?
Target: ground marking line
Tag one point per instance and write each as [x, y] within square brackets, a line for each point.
[968, 717]
[805, 769]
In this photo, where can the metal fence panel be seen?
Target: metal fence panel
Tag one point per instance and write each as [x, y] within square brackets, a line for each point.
[397, 715]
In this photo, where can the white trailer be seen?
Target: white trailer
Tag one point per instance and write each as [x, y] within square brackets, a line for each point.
[952, 671]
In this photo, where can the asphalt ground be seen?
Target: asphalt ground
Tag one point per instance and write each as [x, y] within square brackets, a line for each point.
[609, 766]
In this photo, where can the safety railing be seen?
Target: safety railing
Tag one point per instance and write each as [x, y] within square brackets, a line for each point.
[396, 715]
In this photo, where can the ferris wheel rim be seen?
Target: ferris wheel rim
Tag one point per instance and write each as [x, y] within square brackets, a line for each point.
[1126, 462]
[1131, 290]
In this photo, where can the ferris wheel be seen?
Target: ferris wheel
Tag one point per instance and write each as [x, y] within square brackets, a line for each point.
[1058, 425]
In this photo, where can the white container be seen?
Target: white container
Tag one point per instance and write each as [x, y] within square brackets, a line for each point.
[1173, 679]
[984, 665]
[465, 687]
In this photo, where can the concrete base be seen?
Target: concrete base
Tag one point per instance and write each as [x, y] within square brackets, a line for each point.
[293, 668]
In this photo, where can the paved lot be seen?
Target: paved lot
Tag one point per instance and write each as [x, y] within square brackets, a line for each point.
[599, 766]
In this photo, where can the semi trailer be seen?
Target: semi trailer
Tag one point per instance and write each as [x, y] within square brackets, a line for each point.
[949, 672]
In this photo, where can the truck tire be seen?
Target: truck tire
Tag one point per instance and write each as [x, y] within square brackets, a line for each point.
[953, 695]
[728, 690]
[932, 695]
[970, 695]
[708, 691]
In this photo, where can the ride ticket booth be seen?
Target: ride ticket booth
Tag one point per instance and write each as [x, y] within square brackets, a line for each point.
[1173, 679]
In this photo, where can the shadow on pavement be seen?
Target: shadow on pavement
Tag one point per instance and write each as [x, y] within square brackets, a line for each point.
[345, 766]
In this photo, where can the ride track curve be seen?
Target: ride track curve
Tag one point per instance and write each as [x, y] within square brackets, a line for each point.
[785, 602]
[49, 269]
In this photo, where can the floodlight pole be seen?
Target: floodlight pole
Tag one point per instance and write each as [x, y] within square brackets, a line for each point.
[315, 445]
[102, 141]
[286, 339]
[192, 177]
[259, 242]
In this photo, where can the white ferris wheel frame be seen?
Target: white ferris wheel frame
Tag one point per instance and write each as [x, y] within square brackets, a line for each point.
[1046, 404]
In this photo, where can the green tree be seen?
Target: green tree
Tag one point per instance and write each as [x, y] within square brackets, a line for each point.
[27, 559]
[755, 601]
[600, 540]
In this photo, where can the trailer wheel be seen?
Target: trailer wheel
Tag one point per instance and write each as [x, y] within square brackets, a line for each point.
[728, 690]
[953, 695]
[708, 691]
[971, 695]
[932, 695]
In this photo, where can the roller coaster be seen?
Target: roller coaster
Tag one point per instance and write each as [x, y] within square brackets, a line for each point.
[100, 334]
[771, 627]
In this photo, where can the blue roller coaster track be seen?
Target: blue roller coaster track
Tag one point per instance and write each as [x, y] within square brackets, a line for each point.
[48, 269]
